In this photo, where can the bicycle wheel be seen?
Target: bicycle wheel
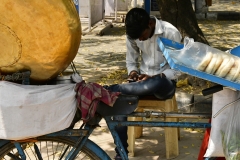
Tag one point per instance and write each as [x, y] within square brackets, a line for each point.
[50, 148]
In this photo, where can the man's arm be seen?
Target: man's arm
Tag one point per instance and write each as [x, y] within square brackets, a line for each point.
[172, 33]
[132, 56]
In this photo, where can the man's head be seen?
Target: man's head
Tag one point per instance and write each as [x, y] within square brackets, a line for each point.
[138, 24]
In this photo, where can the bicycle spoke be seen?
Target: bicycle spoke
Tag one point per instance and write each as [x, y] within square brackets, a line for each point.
[37, 152]
[27, 154]
[53, 151]
[56, 151]
[40, 145]
[29, 146]
[47, 150]
[64, 152]
[83, 156]
[13, 156]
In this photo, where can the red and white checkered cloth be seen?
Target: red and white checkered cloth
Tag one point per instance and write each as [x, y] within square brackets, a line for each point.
[89, 95]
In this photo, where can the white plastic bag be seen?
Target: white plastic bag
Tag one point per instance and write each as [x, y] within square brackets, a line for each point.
[231, 135]
[219, 123]
[29, 111]
[195, 53]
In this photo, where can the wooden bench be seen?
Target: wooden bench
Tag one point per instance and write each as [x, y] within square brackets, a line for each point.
[171, 134]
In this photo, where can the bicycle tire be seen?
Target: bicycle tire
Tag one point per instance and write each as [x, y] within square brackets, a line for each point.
[47, 151]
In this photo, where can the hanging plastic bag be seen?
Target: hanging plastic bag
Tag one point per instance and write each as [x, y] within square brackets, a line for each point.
[231, 135]
[219, 120]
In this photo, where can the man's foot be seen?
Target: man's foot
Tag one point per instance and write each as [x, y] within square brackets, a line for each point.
[117, 157]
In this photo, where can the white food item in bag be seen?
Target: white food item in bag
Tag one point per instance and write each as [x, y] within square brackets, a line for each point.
[226, 65]
[214, 63]
[204, 63]
[234, 72]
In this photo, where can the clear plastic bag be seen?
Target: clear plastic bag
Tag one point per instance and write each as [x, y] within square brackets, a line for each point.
[195, 53]
[231, 135]
[207, 59]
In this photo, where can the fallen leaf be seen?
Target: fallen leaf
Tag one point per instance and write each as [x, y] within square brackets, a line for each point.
[151, 152]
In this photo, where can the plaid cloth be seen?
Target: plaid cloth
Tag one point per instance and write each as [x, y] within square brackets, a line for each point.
[89, 95]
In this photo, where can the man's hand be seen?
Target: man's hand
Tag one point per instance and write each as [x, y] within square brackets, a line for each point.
[133, 75]
[143, 77]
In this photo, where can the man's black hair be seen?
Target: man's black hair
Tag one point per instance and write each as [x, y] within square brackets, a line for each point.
[137, 20]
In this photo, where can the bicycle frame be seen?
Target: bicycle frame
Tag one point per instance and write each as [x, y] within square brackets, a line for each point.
[81, 135]
[112, 124]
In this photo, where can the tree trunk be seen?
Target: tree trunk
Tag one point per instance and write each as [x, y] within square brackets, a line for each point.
[180, 13]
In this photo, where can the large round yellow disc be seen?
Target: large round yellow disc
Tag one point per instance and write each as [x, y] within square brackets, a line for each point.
[10, 46]
[40, 36]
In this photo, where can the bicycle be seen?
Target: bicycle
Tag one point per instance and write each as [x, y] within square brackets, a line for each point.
[74, 143]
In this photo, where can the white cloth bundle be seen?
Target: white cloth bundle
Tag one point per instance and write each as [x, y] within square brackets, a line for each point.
[28, 111]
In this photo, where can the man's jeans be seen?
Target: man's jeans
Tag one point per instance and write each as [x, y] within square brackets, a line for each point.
[160, 87]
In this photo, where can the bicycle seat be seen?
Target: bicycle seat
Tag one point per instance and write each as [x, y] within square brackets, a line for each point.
[125, 104]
